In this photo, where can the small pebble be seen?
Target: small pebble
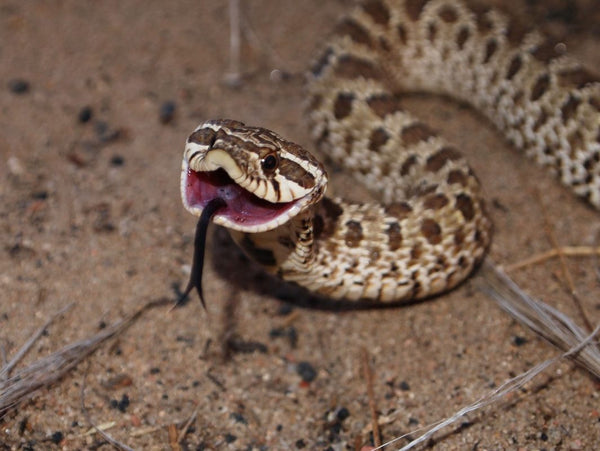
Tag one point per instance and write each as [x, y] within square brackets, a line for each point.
[57, 437]
[117, 160]
[40, 195]
[238, 418]
[18, 86]
[306, 371]
[343, 413]
[167, 112]
[123, 403]
[519, 341]
[404, 386]
[85, 114]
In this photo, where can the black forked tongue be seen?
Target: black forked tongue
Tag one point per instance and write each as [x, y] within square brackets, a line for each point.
[199, 247]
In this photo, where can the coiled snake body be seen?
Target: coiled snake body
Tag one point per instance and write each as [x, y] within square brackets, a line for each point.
[429, 229]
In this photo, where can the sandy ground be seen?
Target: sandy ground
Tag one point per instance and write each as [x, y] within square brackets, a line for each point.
[90, 214]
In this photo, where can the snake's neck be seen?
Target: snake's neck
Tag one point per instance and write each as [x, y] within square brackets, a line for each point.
[289, 248]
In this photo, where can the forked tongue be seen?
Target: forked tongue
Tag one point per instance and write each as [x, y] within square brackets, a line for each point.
[199, 247]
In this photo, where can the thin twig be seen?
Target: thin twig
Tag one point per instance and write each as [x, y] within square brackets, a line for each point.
[6, 369]
[47, 370]
[568, 251]
[553, 325]
[185, 429]
[368, 375]
[173, 442]
[563, 263]
[495, 395]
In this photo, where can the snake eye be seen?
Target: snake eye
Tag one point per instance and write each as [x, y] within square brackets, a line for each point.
[269, 163]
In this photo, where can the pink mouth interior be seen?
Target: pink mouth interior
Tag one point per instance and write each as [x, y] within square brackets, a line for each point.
[243, 207]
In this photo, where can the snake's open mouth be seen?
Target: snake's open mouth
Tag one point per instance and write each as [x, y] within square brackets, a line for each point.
[242, 210]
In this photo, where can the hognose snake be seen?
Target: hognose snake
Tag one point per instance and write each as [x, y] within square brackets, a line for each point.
[429, 229]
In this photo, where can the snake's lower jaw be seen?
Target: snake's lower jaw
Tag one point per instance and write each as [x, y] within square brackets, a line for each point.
[244, 211]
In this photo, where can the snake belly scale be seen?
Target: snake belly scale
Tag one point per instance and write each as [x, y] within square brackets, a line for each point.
[429, 229]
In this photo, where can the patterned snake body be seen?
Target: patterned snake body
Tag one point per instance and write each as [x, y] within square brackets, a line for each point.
[429, 229]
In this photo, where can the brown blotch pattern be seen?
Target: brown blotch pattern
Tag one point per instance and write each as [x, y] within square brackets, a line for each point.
[540, 87]
[518, 97]
[398, 210]
[354, 233]
[394, 233]
[462, 37]
[541, 120]
[594, 103]
[441, 157]
[352, 67]
[515, 65]
[465, 205]
[384, 44]
[414, 8]
[448, 14]
[408, 163]
[416, 252]
[378, 11]
[546, 51]
[325, 221]
[378, 138]
[342, 106]
[415, 133]
[569, 109]
[575, 141]
[431, 32]
[435, 201]
[356, 32]
[384, 104]
[516, 32]
[296, 173]
[401, 33]
[431, 230]
[459, 237]
[490, 49]
[458, 177]
[203, 137]
[484, 24]
[577, 78]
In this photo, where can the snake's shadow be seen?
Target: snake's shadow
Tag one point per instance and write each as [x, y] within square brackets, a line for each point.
[242, 274]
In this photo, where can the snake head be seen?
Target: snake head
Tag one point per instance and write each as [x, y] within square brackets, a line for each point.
[263, 179]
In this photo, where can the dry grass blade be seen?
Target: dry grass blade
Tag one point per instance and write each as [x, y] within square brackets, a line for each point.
[368, 375]
[8, 367]
[567, 251]
[556, 327]
[47, 370]
[492, 397]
